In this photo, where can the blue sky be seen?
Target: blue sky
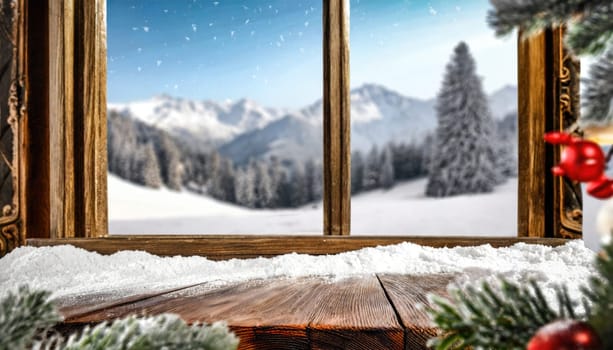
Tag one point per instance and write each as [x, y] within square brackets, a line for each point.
[270, 51]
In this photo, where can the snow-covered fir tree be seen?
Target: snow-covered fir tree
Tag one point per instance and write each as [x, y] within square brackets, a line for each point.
[148, 168]
[386, 174]
[464, 158]
[313, 173]
[357, 171]
[245, 187]
[264, 185]
[370, 179]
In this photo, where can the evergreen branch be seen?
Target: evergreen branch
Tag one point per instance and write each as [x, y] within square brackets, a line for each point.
[505, 318]
[535, 15]
[597, 108]
[23, 315]
[600, 294]
[167, 332]
[593, 32]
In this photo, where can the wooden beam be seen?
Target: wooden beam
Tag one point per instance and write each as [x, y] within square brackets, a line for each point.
[61, 119]
[337, 167]
[90, 156]
[534, 177]
[227, 247]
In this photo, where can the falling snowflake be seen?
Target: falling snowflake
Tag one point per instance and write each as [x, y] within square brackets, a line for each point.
[139, 68]
[306, 24]
[140, 49]
[194, 27]
[281, 38]
[215, 3]
[187, 38]
[247, 21]
[146, 29]
[432, 11]
[165, 10]
[252, 32]
[135, 28]
[158, 63]
[458, 8]
[211, 24]
[232, 33]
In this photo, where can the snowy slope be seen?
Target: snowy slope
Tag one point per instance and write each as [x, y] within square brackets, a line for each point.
[400, 211]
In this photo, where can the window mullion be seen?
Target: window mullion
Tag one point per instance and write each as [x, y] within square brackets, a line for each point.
[336, 112]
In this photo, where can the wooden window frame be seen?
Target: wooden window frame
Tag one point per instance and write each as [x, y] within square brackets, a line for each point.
[62, 182]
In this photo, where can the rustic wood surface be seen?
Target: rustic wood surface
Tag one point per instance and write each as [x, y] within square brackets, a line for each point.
[355, 314]
[227, 247]
[363, 312]
[533, 207]
[408, 295]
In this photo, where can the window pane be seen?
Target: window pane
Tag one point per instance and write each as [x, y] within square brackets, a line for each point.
[215, 116]
[434, 120]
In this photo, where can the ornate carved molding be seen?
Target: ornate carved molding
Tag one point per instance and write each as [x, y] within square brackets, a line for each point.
[570, 210]
[12, 114]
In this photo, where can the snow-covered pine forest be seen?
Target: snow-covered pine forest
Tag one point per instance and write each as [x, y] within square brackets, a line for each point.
[262, 158]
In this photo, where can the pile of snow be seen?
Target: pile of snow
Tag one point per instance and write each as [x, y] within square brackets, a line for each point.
[69, 272]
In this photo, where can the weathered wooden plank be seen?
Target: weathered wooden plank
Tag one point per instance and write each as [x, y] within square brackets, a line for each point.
[355, 314]
[533, 112]
[264, 314]
[226, 247]
[408, 294]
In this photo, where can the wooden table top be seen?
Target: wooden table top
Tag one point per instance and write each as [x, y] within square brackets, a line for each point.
[364, 312]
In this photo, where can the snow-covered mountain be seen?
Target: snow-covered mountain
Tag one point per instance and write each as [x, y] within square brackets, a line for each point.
[203, 122]
[242, 130]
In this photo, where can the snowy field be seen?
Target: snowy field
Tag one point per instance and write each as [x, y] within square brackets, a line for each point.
[402, 210]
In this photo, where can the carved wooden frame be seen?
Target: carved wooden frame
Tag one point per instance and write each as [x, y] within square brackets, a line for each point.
[13, 114]
[64, 189]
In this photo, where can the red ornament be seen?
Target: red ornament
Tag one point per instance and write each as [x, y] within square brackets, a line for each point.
[565, 335]
[581, 160]
[601, 188]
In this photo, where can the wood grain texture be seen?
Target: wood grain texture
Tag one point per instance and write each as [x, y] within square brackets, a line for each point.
[336, 114]
[533, 112]
[61, 119]
[303, 313]
[264, 314]
[90, 119]
[548, 96]
[409, 296]
[355, 314]
[227, 247]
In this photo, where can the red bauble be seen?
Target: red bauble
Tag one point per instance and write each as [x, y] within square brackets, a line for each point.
[601, 188]
[581, 160]
[565, 335]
